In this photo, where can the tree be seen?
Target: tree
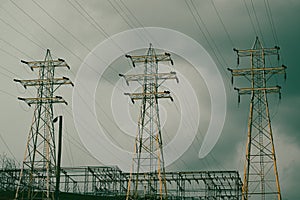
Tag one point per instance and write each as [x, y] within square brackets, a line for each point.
[8, 173]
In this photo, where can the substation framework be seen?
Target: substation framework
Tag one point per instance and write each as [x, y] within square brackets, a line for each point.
[106, 181]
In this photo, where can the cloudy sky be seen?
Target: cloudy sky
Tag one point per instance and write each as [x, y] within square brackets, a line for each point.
[72, 29]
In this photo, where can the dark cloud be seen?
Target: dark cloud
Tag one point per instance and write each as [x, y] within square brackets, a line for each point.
[71, 33]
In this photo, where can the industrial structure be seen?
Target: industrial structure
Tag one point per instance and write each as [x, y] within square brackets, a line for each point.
[148, 146]
[260, 169]
[104, 182]
[36, 180]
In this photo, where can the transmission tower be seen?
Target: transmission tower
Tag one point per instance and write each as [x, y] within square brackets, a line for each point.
[148, 160]
[260, 170]
[38, 168]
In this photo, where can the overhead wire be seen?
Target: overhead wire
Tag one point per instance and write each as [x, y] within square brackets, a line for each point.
[175, 105]
[257, 21]
[75, 38]
[59, 42]
[96, 25]
[9, 150]
[269, 15]
[131, 21]
[11, 44]
[215, 50]
[38, 23]
[223, 25]
[250, 18]
[38, 44]
[43, 29]
[185, 121]
[272, 22]
[95, 55]
[93, 22]
[46, 31]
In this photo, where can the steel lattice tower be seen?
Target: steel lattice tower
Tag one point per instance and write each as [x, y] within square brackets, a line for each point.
[148, 160]
[260, 170]
[40, 156]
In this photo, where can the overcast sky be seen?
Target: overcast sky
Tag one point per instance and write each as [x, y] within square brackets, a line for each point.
[71, 29]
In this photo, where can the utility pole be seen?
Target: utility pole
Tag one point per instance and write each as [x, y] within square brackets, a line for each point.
[39, 164]
[148, 160]
[260, 170]
[58, 166]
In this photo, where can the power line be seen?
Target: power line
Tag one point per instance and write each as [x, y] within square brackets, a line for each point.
[257, 21]
[224, 27]
[95, 24]
[44, 29]
[250, 18]
[19, 33]
[124, 18]
[140, 24]
[9, 94]
[75, 55]
[19, 50]
[206, 37]
[9, 150]
[271, 21]
[63, 27]
[93, 21]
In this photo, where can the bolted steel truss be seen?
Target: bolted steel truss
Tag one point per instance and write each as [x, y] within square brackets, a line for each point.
[260, 169]
[148, 147]
[39, 161]
[109, 182]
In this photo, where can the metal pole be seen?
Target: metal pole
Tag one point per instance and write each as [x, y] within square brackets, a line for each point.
[58, 159]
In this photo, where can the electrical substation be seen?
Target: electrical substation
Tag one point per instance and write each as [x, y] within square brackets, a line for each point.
[42, 177]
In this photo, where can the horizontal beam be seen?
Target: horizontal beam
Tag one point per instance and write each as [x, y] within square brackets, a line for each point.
[38, 64]
[195, 184]
[157, 95]
[38, 82]
[243, 91]
[45, 100]
[150, 58]
[149, 77]
[254, 71]
[264, 51]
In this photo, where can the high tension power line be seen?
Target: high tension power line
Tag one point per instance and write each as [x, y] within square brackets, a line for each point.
[40, 155]
[148, 160]
[260, 170]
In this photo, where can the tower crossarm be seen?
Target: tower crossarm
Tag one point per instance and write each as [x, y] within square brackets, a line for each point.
[157, 95]
[255, 71]
[44, 100]
[251, 52]
[146, 58]
[149, 77]
[39, 64]
[242, 91]
[38, 82]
